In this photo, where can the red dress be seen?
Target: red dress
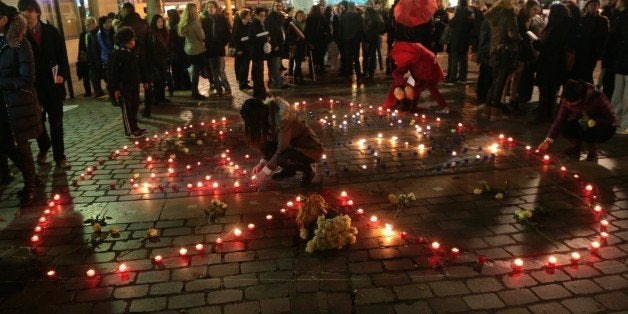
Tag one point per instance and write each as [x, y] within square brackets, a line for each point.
[422, 65]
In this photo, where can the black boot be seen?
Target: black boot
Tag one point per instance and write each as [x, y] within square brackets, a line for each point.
[592, 155]
[308, 173]
[576, 147]
[286, 172]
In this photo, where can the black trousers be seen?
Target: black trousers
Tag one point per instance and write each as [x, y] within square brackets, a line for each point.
[485, 77]
[257, 73]
[290, 158]
[95, 76]
[350, 58]
[600, 133]
[242, 66]
[53, 108]
[526, 84]
[180, 76]
[608, 83]
[160, 78]
[84, 73]
[19, 151]
[500, 75]
[547, 101]
[130, 105]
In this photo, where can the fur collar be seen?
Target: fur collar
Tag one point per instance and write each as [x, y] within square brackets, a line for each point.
[16, 31]
[286, 112]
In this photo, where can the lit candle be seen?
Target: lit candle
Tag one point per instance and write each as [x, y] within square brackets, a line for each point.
[350, 202]
[149, 159]
[158, 259]
[546, 157]
[35, 238]
[551, 261]
[183, 251]
[269, 217]
[56, 197]
[604, 223]
[283, 210]
[37, 229]
[290, 204]
[51, 273]
[373, 218]
[455, 250]
[343, 194]
[597, 208]
[595, 245]
[251, 226]
[517, 264]
[435, 245]
[589, 187]
[604, 235]
[575, 256]
[388, 230]
[563, 168]
[123, 268]
[237, 232]
[199, 247]
[219, 241]
[360, 211]
[190, 186]
[47, 212]
[528, 147]
[42, 219]
[236, 184]
[199, 184]
[51, 204]
[90, 272]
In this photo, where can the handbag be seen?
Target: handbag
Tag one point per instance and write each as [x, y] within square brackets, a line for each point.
[506, 53]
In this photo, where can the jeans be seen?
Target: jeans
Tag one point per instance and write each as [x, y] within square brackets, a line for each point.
[457, 69]
[620, 100]
[217, 66]
[274, 65]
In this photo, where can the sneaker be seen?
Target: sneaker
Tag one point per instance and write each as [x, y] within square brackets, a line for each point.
[41, 159]
[462, 81]
[308, 176]
[442, 111]
[448, 83]
[623, 131]
[64, 164]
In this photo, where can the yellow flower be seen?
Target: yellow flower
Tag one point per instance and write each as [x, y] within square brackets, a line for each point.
[152, 232]
[186, 150]
[199, 142]
[477, 191]
[114, 230]
[303, 233]
[591, 123]
[392, 198]
[499, 196]
[96, 227]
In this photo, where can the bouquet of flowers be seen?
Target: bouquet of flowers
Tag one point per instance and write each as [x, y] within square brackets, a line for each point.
[332, 233]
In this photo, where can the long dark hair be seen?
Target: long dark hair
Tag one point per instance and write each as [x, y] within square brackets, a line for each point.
[256, 126]
[8, 11]
[173, 19]
[153, 23]
[315, 12]
[524, 13]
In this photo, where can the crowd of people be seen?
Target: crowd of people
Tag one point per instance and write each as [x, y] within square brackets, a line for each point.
[515, 44]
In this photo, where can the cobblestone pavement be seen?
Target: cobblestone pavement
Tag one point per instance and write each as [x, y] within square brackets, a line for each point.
[369, 154]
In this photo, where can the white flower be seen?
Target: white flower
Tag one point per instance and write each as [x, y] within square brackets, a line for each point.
[477, 191]
[303, 233]
[499, 196]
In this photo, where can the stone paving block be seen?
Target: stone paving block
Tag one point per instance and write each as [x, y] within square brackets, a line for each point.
[616, 301]
[583, 305]
[153, 276]
[582, 286]
[148, 305]
[239, 257]
[400, 264]
[583, 271]
[484, 285]
[205, 310]
[239, 280]
[268, 291]
[172, 287]
[239, 308]
[390, 279]
[611, 267]
[550, 307]
[613, 282]
[202, 284]
[549, 292]
[130, 292]
[258, 266]
[94, 294]
[365, 267]
[556, 275]
[222, 270]
[373, 295]
[448, 305]
[483, 301]
[224, 296]
[186, 300]
[411, 292]
[518, 281]
[278, 305]
[448, 288]
[412, 308]
[518, 296]
[118, 306]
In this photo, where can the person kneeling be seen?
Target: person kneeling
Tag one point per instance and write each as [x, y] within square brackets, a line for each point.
[586, 115]
[283, 138]
[406, 98]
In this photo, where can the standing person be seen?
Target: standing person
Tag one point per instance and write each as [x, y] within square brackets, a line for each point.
[82, 64]
[552, 71]
[239, 40]
[350, 33]
[373, 27]
[618, 44]
[441, 20]
[20, 114]
[593, 36]
[317, 32]
[190, 28]
[126, 73]
[180, 63]
[105, 43]
[483, 59]
[585, 115]
[297, 42]
[94, 57]
[607, 76]
[215, 42]
[460, 26]
[160, 57]
[258, 37]
[504, 49]
[51, 71]
[274, 25]
[284, 139]
[391, 37]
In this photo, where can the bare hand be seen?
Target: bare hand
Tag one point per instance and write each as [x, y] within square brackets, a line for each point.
[59, 79]
[543, 146]
[258, 168]
[260, 177]
[116, 95]
[146, 86]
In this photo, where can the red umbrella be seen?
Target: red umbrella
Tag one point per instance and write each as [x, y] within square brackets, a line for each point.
[414, 12]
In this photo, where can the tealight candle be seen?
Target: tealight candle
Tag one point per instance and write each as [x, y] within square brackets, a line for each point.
[123, 267]
[604, 223]
[290, 204]
[595, 245]
[251, 226]
[604, 235]
[183, 251]
[47, 212]
[588, 187]
[219, 241]
[360, 211]
[373, 218]
[551, 261]
[597, 208]
[575, 256]
[215, 185]
[283, 210]
[51, 273]
[35, 238]
[157, 259]
[56, 197]
[37, 229]
[90, 272]
[455, 250]
[51, 204]
[199, 247]
[269, 217]
[518, 264]
[42, 219]
[546, 157]
[350, 202]
[237, 232]
[435, 245]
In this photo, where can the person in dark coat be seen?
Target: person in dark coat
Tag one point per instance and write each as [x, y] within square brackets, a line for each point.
[239, 40]
[105, 43]
[217, 37]
[554, 44]
[297, 42]
[52, 70]
[350, 34]
[618, 44]
[20, 114]
[160, 57]
[483, 58]
[94, 57]
[607, 76]
[460, 27]
[594, 32]
[258, 37]
[441, 20]
[82, 64]
[284, 139]
[585, 115]
[318, 33]
[373, 27]
[274, 25]
[180, 63]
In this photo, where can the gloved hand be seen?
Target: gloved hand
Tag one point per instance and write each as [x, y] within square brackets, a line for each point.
[260, 177]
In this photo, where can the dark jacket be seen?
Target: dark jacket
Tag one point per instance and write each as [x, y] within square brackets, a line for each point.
[553, 47]
[158, 45]
[484, 45]
[240, 36]
[441, 20]
[618, 44]
[423, 34]
[18, 103]
[217, 34]
[258, 36]
[317, 32]
[105, 41]
[298, 45]
[461, 26]
[274, 25]
[141, 29]
[177, 47]
[526, 53]
[50, 53]
[595, 105]
[82, 61]
[125, 70]
[373, 25]
[350, 27]
[93, 50]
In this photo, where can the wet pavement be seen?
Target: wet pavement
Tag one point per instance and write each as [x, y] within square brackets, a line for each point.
[196, 153]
